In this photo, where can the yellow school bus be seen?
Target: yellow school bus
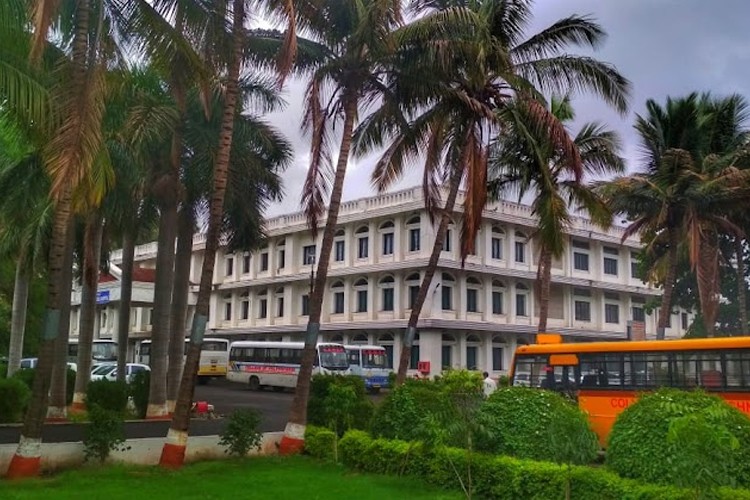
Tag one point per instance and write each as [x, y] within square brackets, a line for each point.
[606, 377]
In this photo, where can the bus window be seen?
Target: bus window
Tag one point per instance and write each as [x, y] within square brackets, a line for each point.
[738, 369]
[529, 371]
[374, 358]
[214, 345]
[352, 355]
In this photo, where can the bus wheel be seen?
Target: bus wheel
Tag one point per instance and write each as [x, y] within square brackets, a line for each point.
[254, 383]
[278, 389]
[202, 380]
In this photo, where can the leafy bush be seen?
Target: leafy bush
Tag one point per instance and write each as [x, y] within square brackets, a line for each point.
[359, 408]
[14, 396]
[320, 442]
[139, 389]
[241, 432]
[502, 477]
[104, 434]
[108, 395]
[528, 423]
[26, 375]
[406, 411]
[678, 437]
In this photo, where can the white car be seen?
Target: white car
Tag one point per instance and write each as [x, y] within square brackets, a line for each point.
[109, 371]
[32, 362]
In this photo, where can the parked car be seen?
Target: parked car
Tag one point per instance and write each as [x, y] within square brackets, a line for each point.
[32, 362]
[108, 371]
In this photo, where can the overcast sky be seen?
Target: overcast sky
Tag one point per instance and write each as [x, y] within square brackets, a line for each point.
[665, 47]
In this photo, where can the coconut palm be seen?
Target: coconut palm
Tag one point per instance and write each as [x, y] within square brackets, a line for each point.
[523, 163]
[693, 173]
[173, 452]
[456, 68]
[354, 41]
[258, 154]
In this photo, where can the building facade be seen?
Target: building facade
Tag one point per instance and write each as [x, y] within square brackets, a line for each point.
[475, 314]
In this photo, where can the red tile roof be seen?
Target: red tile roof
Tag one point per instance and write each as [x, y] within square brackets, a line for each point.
[141, 274]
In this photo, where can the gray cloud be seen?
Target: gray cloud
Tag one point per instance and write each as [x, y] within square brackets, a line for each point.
[665, 47]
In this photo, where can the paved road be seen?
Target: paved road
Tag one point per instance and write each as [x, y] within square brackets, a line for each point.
[225, 396]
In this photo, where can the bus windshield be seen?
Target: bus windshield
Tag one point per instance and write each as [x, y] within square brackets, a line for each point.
[333, 358]
[214, 345]
[104, 351]
[373, 358]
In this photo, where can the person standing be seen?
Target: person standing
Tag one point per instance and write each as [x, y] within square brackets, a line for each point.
[488, 384]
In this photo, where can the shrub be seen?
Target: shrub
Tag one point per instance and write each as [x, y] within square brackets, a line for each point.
[320, 442]
[502, 477]
[14, 396]
[104, 433]
[405, 412]
[108, 395]
[241, 432]
[359, 408]
[528, 423]
[139, 388]
[26, 375]
[673, 437]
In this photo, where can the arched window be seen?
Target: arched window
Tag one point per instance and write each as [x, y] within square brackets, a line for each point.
[262, 304]
[520, 247]
[497, 243]
[414, 232]
[498, 353]
[339, 246]
[448, 344]
[280, 302]
[386, 284]
[498, 297]
[360, 289]
[446, 292]
[363, 242]
[387, 237]
[472, 352]
[473, 286]
[359, 338]
[448, 240]
[337, 338]
[245, 305]
[413, 282]
[338, 297]
[522, 299]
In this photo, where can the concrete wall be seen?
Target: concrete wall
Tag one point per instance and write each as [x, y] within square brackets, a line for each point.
[146, 451]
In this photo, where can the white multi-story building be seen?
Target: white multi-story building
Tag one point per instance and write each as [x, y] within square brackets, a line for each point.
[475, 314]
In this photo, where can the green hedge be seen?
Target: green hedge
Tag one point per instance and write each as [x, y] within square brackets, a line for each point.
[640, 446]
[108, 395]
[317, 407]
[14, 395]
[320, 442]
[501, 477]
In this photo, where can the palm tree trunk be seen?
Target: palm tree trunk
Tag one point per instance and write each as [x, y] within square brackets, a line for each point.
[161, 331]
[126, 296]
[707, 271]
[668, 288]
[179, 304]
[165, 255]
[173, 452]
[27, 459]
[59, 386]
[18, 313]
[437, 247]
[92, 249]
[294, 433]
[544, 277]
[739, 249]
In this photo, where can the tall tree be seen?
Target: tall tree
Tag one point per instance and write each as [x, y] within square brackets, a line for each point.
[173, 452]
[522, 163]
[693, 175]
[457, 67]
[355, 40]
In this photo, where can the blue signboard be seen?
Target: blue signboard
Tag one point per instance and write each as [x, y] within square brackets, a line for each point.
[102, 297]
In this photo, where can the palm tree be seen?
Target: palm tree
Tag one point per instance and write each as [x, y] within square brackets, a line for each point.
[523, 163]
[258, 153]
[692, 153]
[173, 452]
[354, 41]
[456, 68]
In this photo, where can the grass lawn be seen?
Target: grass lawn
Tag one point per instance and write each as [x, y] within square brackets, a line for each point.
[256, 478]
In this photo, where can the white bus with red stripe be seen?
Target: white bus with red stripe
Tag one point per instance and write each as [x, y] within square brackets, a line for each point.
[276, 364]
